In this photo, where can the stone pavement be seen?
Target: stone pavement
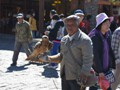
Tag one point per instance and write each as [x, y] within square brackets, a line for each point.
[25, 76]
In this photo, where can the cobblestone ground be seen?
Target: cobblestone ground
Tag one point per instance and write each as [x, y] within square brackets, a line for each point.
[25, 76]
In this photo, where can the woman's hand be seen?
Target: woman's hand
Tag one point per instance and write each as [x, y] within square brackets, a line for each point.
[101, 75]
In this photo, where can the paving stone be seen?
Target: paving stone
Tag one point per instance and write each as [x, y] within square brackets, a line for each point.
[26, 76]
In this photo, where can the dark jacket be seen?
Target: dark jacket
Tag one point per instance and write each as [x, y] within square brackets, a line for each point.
[98, 52]
[53, 32]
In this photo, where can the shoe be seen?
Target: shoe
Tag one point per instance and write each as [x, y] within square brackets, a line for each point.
[13, 64]
[53, 67]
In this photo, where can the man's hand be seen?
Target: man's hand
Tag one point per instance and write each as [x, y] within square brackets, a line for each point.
[82, 79]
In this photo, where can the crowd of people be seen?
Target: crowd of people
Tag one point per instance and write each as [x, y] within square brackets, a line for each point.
[77, 48]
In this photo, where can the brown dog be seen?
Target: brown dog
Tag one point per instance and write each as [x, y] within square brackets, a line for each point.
[40, 48]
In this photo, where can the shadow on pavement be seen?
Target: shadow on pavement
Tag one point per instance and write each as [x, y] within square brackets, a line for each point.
[7, 42]
[37, 63]
[49, 72]
[16, 68]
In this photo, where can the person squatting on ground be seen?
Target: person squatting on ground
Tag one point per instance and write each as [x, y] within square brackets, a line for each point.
[23, 36]
[103, 60]
[116, 48]
[75, 56]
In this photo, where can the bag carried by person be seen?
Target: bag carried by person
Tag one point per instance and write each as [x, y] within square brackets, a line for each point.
[89, 80]
[110, 76]
[103, 83]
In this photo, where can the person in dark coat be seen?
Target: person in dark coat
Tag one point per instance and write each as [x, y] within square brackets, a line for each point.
[104, 59]
[55, 36]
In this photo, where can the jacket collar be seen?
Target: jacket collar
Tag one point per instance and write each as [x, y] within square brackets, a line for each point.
[76, 35]
[22, 22]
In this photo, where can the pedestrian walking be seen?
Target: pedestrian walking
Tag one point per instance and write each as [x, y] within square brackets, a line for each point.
[81, 14]
[103, 60]
[52, 30]
[33, 25]
[23, 36]
[116, 48]
[55, 36]
[52, 22]
[75, 56]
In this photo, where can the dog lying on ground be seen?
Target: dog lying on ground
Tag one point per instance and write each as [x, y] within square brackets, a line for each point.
[40, 48]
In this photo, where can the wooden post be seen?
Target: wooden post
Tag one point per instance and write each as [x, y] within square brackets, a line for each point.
[0, 8]
[25, 5]
[41, 17]
[64, 7]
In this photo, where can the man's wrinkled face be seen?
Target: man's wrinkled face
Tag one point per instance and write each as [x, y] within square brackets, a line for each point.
[71, 27]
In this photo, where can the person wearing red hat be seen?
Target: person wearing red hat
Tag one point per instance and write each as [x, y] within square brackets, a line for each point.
[80, 14]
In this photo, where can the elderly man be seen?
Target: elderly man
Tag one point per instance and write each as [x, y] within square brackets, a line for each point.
[76, 54]
[23, 38]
